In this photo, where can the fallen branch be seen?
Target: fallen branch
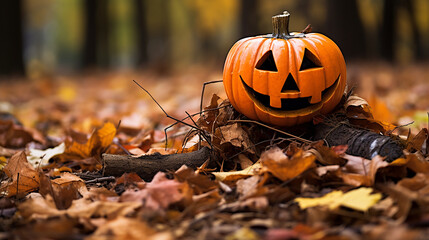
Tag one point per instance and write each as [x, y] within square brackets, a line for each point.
[360, 142]
[147, 166]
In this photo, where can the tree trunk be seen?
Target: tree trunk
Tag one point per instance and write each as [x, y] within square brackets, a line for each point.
[141, 33]
[345, 28]
[249, 18]
[11, 41]
[96, 46]
[388, 31]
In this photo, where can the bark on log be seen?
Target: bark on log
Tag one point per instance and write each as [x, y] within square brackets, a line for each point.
[147, 166]
[360, 142]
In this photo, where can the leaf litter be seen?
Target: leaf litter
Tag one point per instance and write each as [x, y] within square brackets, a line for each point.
[260, 183]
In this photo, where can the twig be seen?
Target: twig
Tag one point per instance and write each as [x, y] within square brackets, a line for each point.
[274, 129]
[183, 119]
[101, 179]
[162, 109]
[202, 92]
[166, 114]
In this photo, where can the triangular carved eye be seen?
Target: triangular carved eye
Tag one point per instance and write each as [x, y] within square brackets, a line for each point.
[267, 62]
[309, 61]
[290, 85]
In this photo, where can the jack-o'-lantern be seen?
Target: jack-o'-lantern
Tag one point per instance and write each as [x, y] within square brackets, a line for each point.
[284, 78]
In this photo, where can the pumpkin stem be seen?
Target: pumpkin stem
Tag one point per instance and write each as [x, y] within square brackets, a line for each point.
[281, 25]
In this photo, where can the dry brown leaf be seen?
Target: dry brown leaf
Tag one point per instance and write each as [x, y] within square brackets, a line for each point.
[403, 198]
[42, 208]
[129, 179]
[251, 187]
[199, 183]
[64, 190]
[359, 113]
[360, 171]
[24, 177]
[16, 136]
[128, 229]
[253, 204]
[244, 161]
[278, 164]
[413, 161]
[327, 156]
[357, 165]
[416, 143]
[419, 183]
[158, 194]
[357, 107]
[234, 134]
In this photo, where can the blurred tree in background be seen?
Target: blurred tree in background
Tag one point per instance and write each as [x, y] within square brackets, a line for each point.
[11, 40]
[50, 36]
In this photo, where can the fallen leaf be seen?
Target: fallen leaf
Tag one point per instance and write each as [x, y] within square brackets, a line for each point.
[416, 143]
[24, 177]
[198, 182]
[235, 175]
[17, 136]
[64, 190]
[96, 144]
[158, 194]
[251, 187]
[235, 135]
[326, 155]
[359, 113]
[128, 228]
[413, 161]
[359, 199]
[43, 208]
[404, 199]
[3, 162]
[283, 168]
[243, 233]
[41, 157]
[360, 171]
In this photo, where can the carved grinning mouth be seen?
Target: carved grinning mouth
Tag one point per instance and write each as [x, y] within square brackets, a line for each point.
[288, 104]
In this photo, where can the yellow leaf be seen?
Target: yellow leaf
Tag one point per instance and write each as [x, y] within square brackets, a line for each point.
[3, 162]
[235, 175]
[106, 134]
[359, 199]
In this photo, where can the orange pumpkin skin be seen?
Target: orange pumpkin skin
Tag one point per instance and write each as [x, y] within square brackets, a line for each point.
[285, 93]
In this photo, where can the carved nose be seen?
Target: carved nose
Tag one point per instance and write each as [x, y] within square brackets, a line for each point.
[290, 85]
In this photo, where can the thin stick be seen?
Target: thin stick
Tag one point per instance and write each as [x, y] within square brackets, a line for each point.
[183, 119]
[101, 179]
[201, 132]
[202, 92]
[162, 109]
[274, 129]
[17, 186]
[166, 114]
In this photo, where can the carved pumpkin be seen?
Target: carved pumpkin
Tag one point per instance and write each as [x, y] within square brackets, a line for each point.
[284, 78]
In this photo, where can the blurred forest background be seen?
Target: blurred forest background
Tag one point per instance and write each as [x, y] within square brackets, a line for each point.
[68, 36]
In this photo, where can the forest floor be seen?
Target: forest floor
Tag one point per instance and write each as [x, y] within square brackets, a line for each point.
[261, 183]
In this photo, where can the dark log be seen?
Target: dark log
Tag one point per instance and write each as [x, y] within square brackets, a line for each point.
[147, 166]
[360, 142]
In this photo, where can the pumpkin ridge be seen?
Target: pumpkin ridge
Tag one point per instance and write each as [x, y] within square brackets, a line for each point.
[255, 109]
[236, 64]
